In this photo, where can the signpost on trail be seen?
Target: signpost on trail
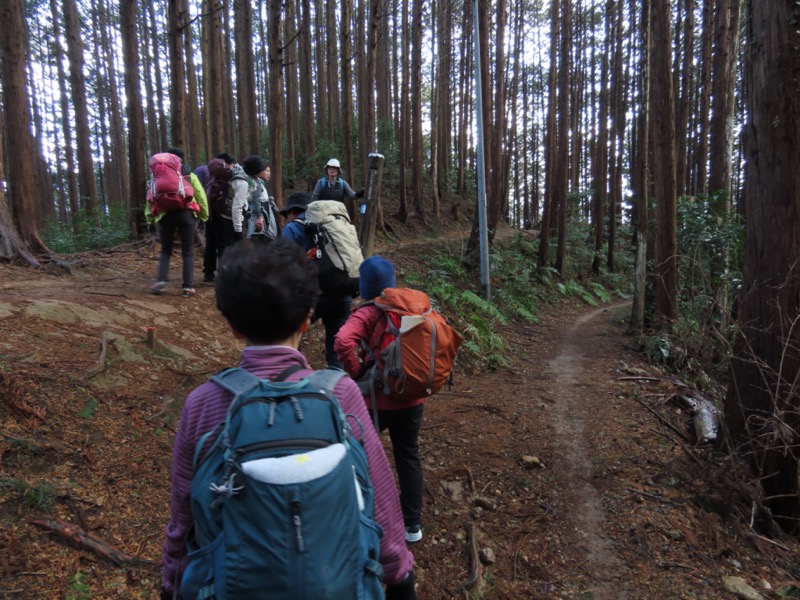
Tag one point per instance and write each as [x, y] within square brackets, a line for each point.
[370, 204]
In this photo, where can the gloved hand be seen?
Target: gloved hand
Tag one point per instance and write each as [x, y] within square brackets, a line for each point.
[403, 590]
[360, 193]
[238, 236]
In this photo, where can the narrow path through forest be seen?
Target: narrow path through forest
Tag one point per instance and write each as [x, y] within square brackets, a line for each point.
[570, 384]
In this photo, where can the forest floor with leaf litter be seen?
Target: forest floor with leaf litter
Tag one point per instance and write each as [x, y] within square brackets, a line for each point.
[570, 473]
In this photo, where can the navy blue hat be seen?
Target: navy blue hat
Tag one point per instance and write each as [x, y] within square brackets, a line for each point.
[376, 274]
[298, 200]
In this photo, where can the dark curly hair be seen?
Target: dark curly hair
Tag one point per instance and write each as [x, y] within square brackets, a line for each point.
[266, 291]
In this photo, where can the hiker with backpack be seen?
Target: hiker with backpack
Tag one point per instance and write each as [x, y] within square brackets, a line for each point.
[332, 244]
[263, 496]
[227, 191]
[262, 213]
[400, 351]
[363, 334]
[333, 187]
[176, 200]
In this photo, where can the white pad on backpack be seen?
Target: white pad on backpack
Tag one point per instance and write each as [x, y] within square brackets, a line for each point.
[296, 468]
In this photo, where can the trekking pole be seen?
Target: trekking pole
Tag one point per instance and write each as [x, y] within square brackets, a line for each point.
[370, 204]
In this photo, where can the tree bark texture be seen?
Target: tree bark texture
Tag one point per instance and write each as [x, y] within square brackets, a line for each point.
[762, 406]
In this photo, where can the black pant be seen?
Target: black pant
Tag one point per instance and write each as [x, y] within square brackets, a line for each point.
[186, 224]
[333, 311]
[219, 235]
[403, 426]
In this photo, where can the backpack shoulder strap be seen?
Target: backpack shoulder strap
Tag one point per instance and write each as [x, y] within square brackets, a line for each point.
[236, 380]
[326, 379]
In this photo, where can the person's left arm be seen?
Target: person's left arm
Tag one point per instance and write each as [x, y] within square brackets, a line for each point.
[395, 557]
[200, 196]
[174, 556]
[240, 189]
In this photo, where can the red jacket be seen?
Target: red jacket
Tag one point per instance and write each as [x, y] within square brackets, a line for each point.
[366, 323]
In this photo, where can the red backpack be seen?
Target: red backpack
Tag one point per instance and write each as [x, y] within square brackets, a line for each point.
[418, 349]
[170, 189]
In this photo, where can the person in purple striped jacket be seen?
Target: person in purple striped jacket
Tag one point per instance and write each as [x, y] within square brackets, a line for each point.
[266, 293]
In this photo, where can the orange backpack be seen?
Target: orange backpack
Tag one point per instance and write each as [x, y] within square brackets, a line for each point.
[418, 351]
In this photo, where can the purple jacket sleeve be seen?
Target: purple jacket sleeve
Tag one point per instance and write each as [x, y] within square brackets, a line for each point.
[396, 559]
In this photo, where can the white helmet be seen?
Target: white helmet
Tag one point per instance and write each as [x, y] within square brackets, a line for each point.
[333, 163]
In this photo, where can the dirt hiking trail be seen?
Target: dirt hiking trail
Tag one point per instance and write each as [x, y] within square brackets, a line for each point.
[551, 477]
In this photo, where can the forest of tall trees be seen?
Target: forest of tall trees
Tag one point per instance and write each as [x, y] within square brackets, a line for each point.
[605, 112]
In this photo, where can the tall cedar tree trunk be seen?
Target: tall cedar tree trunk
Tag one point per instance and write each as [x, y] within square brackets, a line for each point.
[215, 114]
[45, 209]
[726, 36]
[465, 99]
[618, 110]
[346, 40]
[290, 81]
[119, 160]
[18, 234]
[196, 137]
[360, 80]
[405, 118]
[246, 79]
[335, 113]
[600, 166]
[548, 204]
[66, 124]
[641, 174]
[308, 142]
[383, 82]
[499, 179]
[152, 118]
[375, 16]
[177, 87]
[685, 74]
[663, 112]
[416, 110]
[276, 113]
[433, 136]
[561, 185]
[136, 133]
[700, 158]
[230, 130]
[444, 95]
[762, 410]
[159, 90]
[86, 178]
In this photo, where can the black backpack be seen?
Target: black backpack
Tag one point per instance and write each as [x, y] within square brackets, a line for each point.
[218, 188]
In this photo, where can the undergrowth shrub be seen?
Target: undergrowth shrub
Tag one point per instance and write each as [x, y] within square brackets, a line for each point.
[710, 249]
[109, 229]
[518, 288]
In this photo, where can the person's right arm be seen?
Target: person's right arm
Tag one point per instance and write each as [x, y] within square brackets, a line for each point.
[357, 329]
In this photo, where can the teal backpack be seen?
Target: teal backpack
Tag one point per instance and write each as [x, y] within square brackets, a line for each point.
[282, 500]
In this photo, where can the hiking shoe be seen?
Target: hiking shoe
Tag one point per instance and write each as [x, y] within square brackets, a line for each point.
[188, 292]
[413, 534]
[208, 278]
[158, 287]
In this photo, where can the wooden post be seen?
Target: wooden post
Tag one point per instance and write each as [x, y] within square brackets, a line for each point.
[369, 204]
[151, 337]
